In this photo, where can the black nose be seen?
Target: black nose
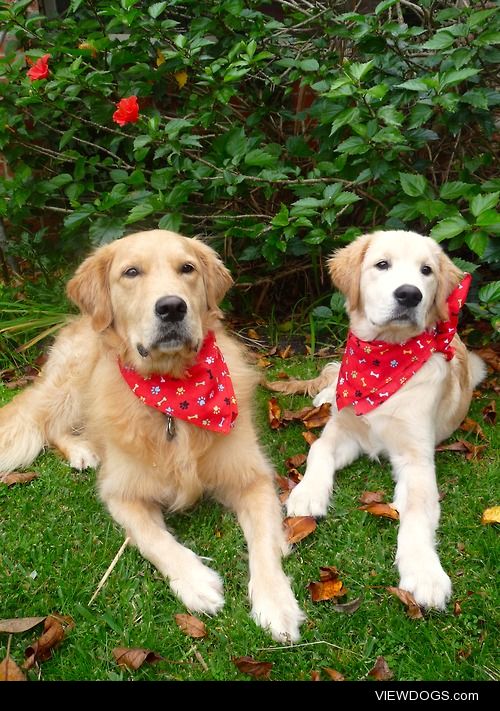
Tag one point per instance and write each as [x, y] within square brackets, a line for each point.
[171, 308]
[408, 295]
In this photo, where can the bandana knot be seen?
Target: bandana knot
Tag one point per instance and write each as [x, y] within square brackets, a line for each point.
[372, 371]
[204, 396]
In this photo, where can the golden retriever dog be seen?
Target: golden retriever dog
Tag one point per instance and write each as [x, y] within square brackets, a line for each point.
[149, 305]
[398, 288]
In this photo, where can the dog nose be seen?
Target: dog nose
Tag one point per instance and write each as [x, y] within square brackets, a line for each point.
[408, 295]
[171, 308]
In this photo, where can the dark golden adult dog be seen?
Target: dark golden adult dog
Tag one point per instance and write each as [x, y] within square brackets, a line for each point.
[396, 285]
[121, 291]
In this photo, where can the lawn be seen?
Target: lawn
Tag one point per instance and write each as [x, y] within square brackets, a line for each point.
[56, 541]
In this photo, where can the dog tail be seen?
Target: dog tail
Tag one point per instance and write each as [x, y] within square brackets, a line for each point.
[311, 387]
[477, 369]
[22, 434]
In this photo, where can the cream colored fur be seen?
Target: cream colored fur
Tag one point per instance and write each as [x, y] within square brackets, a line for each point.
[82, 406]
[406, 428]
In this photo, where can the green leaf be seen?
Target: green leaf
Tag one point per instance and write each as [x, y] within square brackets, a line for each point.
[309, 65]
[490, 293]
[345, 198]
[358, 71]
[413, 85]
[60, 180]
[79, 216]
[281, 218]
[389, 115]
[477, 98]
[355, 145]
[477, 242]
[161, 179]
[456, 76]
[383, 6]
[331, 191]
[482, 202]
[449, 227]
[413, 185]
[172, 222]
[419, 115]
[490, 219]
[142, 141]
[118, 175]
[106, 229]
[138, 212]
[236, 142]
[344, 117]
[455, 189]
[441, 40]
[322, 312]
[260, 157]
[156, 9]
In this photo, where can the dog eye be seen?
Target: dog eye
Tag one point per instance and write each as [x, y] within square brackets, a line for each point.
[382, 265]
[426, 270]
[187, 268]
[131, 272]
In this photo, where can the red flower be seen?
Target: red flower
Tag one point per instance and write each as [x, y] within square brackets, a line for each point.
[127, 111]
[40, 69]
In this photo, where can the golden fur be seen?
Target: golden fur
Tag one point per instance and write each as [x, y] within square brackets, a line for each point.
[142, 472]
[426, 410]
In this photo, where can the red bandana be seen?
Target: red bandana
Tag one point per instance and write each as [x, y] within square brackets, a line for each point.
[204, 397]
[372, 371]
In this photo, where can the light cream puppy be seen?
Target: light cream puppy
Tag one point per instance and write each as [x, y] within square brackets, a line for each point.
[148, 300]
[396, 285]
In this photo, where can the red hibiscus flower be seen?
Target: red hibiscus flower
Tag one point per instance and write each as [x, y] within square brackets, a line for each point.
[127, 111]
[40, 69]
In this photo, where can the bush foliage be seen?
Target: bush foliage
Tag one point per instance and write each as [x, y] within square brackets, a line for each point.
[281, 129]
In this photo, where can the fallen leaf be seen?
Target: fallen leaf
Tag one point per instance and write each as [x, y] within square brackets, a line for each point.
[348, 608]
[296, 461]
[282, 375]
[333, 674]
[191, 625]
[472, 451]
[331, 589]
[296, 415]
[381, 671]
[54, 631]
[134, 657]
[490, 356]
[315, 676]
[252, 333]
[252, 667]
[318, 417]
[9, 671]
[284, 483]
[20, 382]
[490, 413]
[263, 362]
[491, 515]
[372, 497]
[285, 352]
[298, 527]
[273, 413]
[11, 478]
[20, 624]
[457, 608]
[463, 654]
[377, 509]
[470, 425]
[328, 572]
[412, 608]
[309, 437]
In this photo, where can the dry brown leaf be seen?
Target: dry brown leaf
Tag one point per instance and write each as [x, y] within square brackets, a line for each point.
[328, 572]
[282, 376]
[273, 413]
[490, 413]
[54, 630]
[372, 497]
[491, 515]
[20, 382]
[315, 676]
[380, 510]
[284, 483]
[298, 527]
[490, 356]
[252, 667]
[328, 590]
[463, 654]
[134, 657]
[20, 624]
[296, 461]
[412, 608]
[11, 478]
[318, 417]
[286, 352]
[472, 451]
[191, 625]
[9, 671]
[457, 608]
[381, 671]
[296, 415]
[309, 437]
[348, 608]
[252, 333]
[470, 425]
[263, 362]
[333, 674]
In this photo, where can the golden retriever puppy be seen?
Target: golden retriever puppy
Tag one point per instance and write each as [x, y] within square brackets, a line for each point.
[405, 384]
[161, 396]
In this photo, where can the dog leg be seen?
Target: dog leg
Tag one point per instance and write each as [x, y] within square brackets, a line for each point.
[335, 449]
[197, 586]
[416, 499]
[77, 450]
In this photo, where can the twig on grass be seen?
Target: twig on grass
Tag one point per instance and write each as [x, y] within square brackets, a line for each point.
[110, 569]
[309, 644]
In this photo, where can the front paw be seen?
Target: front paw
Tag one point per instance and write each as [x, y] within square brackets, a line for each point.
[199, 588]
[305, 500]
[275, 609]
[81, 456]
[426, 580]
[325, 395]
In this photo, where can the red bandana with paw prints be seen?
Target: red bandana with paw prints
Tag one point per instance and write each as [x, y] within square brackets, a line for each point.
[204, 396]
[372, 371]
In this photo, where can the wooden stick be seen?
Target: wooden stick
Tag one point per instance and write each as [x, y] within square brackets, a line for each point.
[110, 569]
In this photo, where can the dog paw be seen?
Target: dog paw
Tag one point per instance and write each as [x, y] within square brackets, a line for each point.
[307, 501]
[325, 395]
[199, 588]
[429, 584]
[276, 610]
[82, 457]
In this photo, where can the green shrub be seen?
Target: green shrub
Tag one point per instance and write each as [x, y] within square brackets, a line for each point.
[281, 136]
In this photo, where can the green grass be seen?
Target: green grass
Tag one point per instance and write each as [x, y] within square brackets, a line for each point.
[56, 541]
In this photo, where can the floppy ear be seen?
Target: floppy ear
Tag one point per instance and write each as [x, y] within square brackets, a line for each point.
[449, 277]
[345, 269]
[89, 288]
[216, 276]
